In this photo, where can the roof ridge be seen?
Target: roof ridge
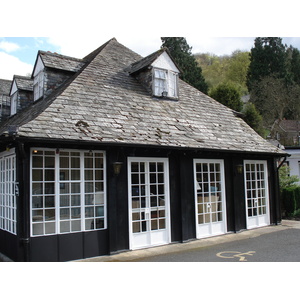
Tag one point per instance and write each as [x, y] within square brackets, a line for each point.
[59, 55]
[94, 53]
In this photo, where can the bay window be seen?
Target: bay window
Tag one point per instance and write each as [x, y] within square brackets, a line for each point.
[67, 191]
[8, 206]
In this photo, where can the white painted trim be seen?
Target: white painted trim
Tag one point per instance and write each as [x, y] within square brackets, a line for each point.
[223, 185]
[167, 199]
[57, 190]
[264, 162]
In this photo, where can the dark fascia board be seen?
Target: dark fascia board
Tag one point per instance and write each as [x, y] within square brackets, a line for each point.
[89, 144]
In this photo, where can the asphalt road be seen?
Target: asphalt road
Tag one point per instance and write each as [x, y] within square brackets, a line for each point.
[281, 246]
[279, 243]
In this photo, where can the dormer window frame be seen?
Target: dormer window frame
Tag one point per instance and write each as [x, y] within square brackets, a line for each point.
[165, 83]
[14, 103]
[38, 85]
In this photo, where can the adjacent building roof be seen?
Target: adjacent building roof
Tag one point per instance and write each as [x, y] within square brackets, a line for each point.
[5, 86]
[24, 83]
[61, 62]
[103, 103]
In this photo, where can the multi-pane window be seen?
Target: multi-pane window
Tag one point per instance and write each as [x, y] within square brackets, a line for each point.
[13, 104]
[165, 81]
[38, 86]
[148, 196]
[209, 192]
[8, 206]
[256, 193]
[68, 191]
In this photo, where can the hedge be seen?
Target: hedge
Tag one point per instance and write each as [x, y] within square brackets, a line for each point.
[290, 199]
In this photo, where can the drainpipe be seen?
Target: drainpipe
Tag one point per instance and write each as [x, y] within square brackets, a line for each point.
[25, 234]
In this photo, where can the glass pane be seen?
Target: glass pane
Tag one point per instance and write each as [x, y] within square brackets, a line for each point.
[37, 202]
[99, 223]
[75, 162]
[162, 223]
[75, 174]
[49, 162]
[89, 212]
[65, 226]
[49, 214]
[37, 229]
[88, 174]
[75, 200]
[75, 213]
[37, 175]
[99, 211]
[37, 161]
[154, 224]
[76, 225]
[37, 215]
[49, 175]
[136, 227]
[49, 227]
[49, 201]
[65, 213]
[89, 199]
[99, 198]
[135, 216]
[89, 224]
[64, 162]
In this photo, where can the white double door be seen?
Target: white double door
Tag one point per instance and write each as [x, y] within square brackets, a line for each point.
[149, 211]
[256, 193]
[209, 197]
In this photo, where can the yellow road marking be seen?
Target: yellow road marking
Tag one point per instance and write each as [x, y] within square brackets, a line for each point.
[235, 254]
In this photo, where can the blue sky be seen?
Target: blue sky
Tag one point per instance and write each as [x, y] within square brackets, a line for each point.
[73, 29]
[18, 54]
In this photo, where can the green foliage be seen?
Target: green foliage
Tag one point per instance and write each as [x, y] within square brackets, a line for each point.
[253, 118]
[182, 55]
[219, 69]
[227, 94]
[286, 180]
[268, 57]
[290, 197]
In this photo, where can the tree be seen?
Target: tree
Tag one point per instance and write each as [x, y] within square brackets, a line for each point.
[267, 57]
[182, 55]
[227, 94]
[253, 118]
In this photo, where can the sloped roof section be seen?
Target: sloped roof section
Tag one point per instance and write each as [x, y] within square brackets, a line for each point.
[102, 103]
[61, 62]
[24, 83]
[5, 86]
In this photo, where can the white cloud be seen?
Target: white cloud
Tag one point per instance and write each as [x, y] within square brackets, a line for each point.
[11, 65]
[9, 47]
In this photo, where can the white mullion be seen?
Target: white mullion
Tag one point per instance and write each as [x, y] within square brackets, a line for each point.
[82, 192]
[57, 193]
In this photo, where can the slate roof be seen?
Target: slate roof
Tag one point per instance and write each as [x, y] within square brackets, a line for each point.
[5, 86]
[24, 83]
[61, 62]
[103, 103]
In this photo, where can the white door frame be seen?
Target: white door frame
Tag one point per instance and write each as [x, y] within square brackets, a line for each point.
[155, 237]
[259, 219]
[211, 228]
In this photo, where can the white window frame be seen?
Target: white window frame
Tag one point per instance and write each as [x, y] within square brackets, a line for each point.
[38, 85]
[165, 81]
[14, 103]
[8, 205]
[60, 183]
[261, 185]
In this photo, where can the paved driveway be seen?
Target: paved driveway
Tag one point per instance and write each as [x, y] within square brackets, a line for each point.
[268, 244]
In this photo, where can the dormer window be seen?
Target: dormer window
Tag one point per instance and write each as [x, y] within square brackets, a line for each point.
[13, 104]
[164, 83]
[38, 86]
[158, 73]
